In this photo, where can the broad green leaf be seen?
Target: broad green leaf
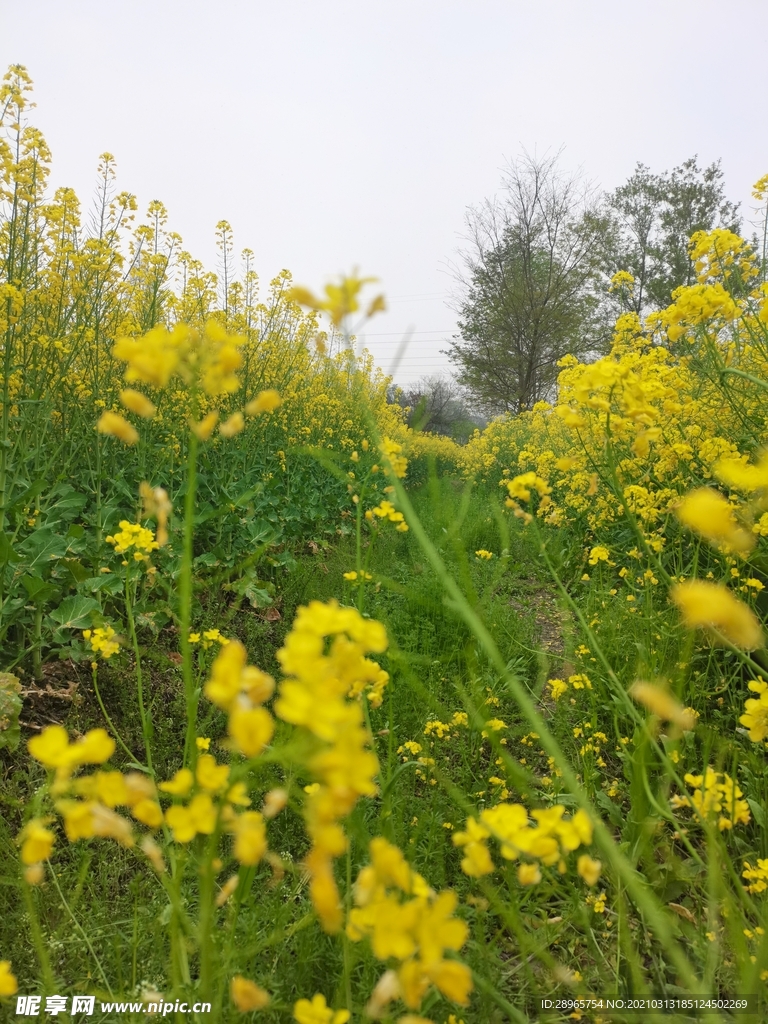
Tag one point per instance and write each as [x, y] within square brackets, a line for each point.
[109, 583]
[43, 546]
[39, 590]
[75, 612]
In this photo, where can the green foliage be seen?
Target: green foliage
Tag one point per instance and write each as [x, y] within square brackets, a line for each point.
[655, 216]
[528, 285]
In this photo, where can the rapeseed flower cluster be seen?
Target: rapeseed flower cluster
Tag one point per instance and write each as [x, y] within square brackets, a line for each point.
[341, 300]
[133, 535]
[386, 510]
[395, 462]
[208, 638]
[206, 362]
[247, 995]
[326, 673]
[757, 876]
[715, 796]
[240, 690]
[211, 355]
[102, 641]
[667, 429]
[546, 843]
[406, 921]
[204, 800]
[755, 717]
[720, 255]
[317, 1011]
[710, 515]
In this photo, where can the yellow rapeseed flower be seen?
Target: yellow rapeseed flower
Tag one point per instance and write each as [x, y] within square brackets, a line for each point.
[662, 704]
[148, 812]
[318, 1012]
[340, 299]
[557, 687]
[265, 401]
[250, 837]
[101, 640]
[114, 424]
[250, 728]
[133, 535]
[599, 553]
[233, 425]
[37, 842]
[210, 775]
[247, 995]
[710, 605]
[757, 876]
[180, 785]
[755, 717]
[397, 463]
[53, 749]
[134, 401]
[589, 869]
[8, 983]
[204, 428]
[711, 516]
[199, 816]
[529, 874]
[740, 476]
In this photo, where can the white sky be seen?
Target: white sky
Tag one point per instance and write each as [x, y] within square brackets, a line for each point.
[334, 134]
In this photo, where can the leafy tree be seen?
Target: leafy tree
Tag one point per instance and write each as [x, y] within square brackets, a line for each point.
[529, 285]
[653, 217]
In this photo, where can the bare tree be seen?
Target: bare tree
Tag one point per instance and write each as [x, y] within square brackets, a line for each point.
[438, 405]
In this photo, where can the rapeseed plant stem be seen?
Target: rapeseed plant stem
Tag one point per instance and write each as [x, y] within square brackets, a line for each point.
[41, 949]
[146, 723]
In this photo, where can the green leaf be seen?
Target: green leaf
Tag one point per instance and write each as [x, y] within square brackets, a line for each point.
[258, 592]
[109, 583]
[758, 812]
[7, 553]
[260, 531]
[209, 558]
[76, 568]
[75, 612]
[39, 590]
[43, 546]
[28, 494]
[68, 506]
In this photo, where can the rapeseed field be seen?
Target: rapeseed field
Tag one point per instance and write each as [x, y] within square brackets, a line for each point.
[306, 715]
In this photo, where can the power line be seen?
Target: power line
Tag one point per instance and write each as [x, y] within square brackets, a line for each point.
[403, 334]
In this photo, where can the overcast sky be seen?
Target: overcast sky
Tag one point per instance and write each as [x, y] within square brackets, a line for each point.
[334, 134]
